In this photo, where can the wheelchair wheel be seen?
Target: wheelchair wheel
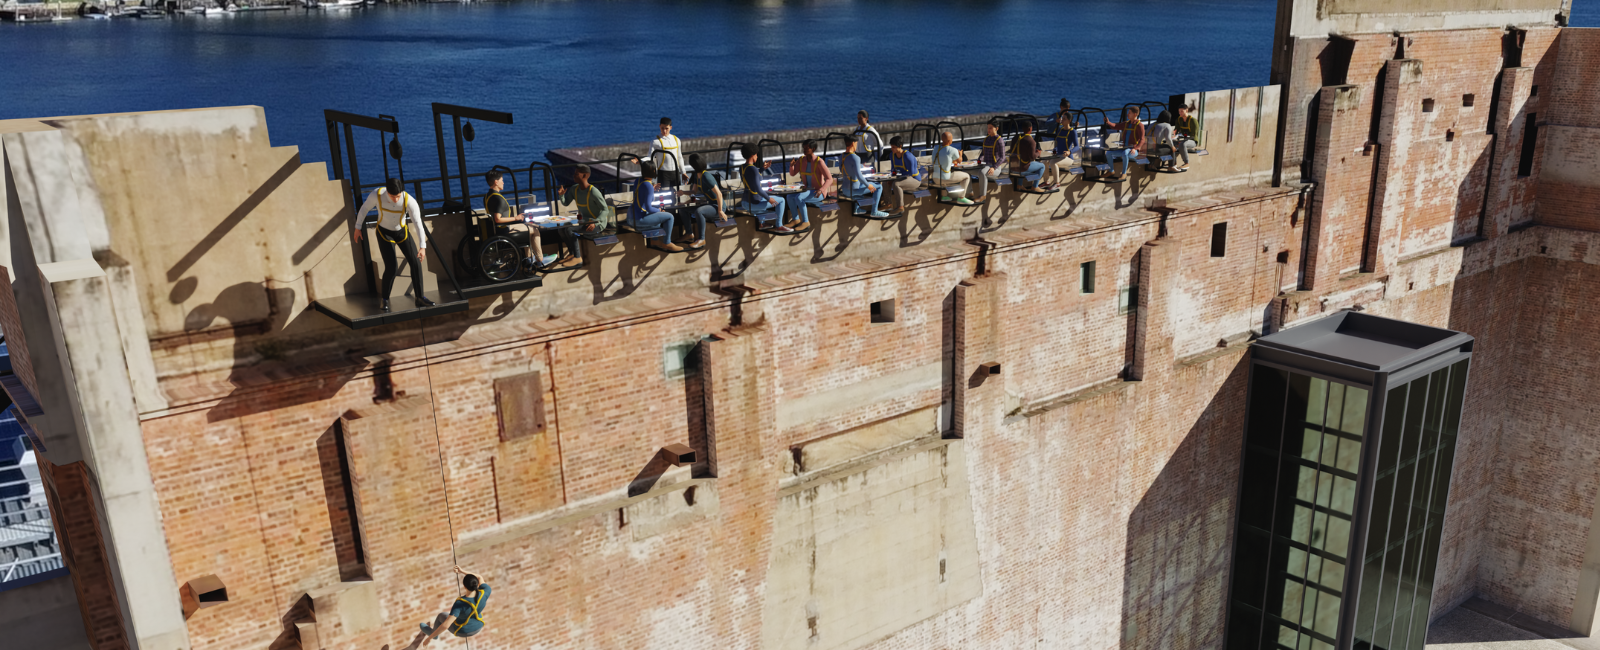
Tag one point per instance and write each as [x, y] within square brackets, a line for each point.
[498, 259]
[466, 259]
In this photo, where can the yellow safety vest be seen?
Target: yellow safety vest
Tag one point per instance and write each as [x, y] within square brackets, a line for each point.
[405, 226]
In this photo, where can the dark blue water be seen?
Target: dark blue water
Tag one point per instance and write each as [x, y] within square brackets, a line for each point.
[601, 72]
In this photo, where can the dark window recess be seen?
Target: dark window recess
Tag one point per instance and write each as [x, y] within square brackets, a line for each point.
[1450, 136]
[1530, 140]
[1467, 100]
[200, 593]
[1283, 257]
[338, 486]
[883, 311]
[689, 495]
[1219, 239]
[520, 400]
[1086, 277]
[1427, 105]
[1534, 92]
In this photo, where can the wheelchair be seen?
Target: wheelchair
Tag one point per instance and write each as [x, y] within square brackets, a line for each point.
[490, 253]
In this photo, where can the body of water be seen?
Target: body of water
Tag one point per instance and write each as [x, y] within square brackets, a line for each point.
[597, 72]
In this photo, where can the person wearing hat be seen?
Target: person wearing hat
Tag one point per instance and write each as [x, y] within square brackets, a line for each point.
[667, 154]
[399, 225]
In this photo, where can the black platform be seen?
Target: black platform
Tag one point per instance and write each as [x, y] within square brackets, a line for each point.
[480, 288]
[361, 311]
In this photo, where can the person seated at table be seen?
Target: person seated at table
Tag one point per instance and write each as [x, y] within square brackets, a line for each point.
[1025, 161]
[756, 199]
[945, 158]
[816, 181]
[1132, 142]
[1162, 142]
[1188, 133]
[908, 174]
[709, 188]
[595, 215]
[643, 214]
[1066, 138]
[856, 183]
[504, 217]
[991, 158]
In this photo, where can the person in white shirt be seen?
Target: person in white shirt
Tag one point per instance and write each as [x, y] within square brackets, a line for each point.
[667, 153]
[871, 142]
[399, 224]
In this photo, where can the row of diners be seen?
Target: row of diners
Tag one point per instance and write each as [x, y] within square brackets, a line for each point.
[488, 258]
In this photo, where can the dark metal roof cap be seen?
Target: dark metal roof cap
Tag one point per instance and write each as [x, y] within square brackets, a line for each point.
[1365, 341]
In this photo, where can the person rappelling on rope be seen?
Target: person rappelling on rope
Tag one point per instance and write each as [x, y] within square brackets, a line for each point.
[399, 224]
[466, 614]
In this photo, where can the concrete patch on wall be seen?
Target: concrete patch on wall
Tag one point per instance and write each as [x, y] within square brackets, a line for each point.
[857, 558]
[844, 398]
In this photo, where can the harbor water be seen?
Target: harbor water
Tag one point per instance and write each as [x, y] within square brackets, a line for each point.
[604, 71]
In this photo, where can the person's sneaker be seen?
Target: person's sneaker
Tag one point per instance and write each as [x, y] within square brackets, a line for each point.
[879, 214]
[963, 201]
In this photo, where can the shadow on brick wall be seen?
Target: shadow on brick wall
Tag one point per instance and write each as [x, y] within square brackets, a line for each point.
[1180, 535]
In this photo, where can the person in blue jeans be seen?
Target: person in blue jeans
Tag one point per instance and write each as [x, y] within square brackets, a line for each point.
[908, 174]
[817, 181]
[757, 200]
[466, 614]
[1132, 142]
[857, 185]
[709, 187]
[643, 215]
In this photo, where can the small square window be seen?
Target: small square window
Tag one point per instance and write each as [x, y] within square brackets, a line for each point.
[675, 359]
[1467, 100]
[883, 311]
[1127, 300]
[1086, 277]
[520, 400]
[1427, 105]
[1219, 239]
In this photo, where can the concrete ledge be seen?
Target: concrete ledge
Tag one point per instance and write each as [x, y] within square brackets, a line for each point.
[480, 540]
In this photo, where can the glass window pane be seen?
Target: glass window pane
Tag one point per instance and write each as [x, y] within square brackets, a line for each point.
[1348, 457]
[1316, 401]
[1354, 420]
[1250, 577]
[1344, 496]
[1326, 621]
[1335, 405]
[1244, 629]
[1267, 392]
[1332, 575]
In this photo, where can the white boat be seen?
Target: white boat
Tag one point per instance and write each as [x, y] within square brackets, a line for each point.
[343, 4]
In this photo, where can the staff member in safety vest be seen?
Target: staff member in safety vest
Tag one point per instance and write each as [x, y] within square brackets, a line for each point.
[871, 142]
[908, 174]
[466, 614]
[399, 224]
[667, 154]
[500, 211]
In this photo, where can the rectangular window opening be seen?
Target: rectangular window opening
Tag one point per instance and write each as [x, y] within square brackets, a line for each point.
[883, 311]
[1086, 277]
[520, 402]
[1467, 100]
[1530, 140]
[348, 545]
[1219, 239]
[1427, 105]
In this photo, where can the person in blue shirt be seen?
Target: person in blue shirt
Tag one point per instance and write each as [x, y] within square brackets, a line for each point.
[466, 614]
[992, 158]
[643, 215]
[944, 172]
[709, 187]
[757, 200]
[908, 174]
[856, 184]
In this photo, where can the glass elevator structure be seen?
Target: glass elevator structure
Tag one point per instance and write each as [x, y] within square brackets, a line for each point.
[1349, 445]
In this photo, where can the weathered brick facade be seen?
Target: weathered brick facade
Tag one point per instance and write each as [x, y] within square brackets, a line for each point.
[331, 478]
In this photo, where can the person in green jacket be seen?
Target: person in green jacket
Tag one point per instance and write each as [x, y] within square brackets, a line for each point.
[594, 213]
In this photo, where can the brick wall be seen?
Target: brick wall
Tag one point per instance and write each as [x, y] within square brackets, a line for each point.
[1102, 507]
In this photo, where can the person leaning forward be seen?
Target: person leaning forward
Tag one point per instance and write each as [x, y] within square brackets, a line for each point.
[399, 224]
[594, 214]
[465, 617]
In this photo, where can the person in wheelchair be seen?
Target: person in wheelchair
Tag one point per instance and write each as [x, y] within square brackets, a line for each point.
[503, 217]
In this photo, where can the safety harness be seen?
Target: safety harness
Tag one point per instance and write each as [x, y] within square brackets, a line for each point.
[475, 615]
[405, 227]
